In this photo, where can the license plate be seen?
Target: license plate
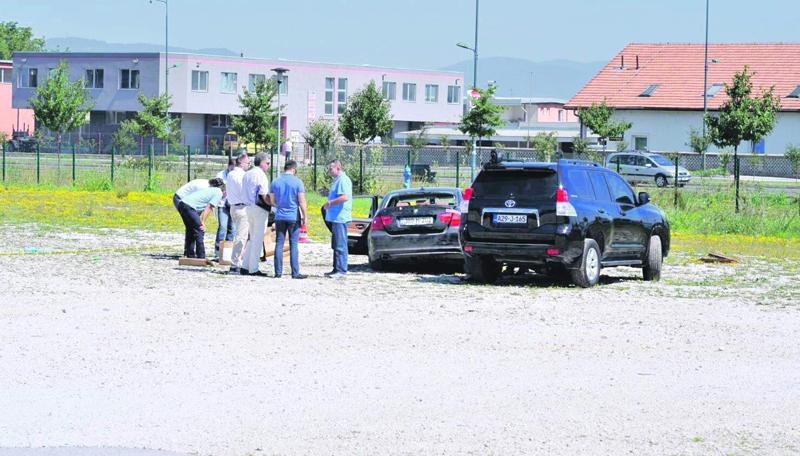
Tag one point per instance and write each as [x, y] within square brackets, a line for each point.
[414, 221]
[510, 219]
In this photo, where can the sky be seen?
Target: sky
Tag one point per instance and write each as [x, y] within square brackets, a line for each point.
[410, 33]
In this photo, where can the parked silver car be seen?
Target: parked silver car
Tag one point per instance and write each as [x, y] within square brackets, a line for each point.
[647, 168]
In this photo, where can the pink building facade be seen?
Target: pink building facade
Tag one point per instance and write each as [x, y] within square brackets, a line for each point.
[11, 119]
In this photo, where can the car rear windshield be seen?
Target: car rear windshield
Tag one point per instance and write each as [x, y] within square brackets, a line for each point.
[527, 182]
[423, 199]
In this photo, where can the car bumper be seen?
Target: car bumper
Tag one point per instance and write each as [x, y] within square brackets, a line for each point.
[681, 179]
[438, 246]
[568, 253]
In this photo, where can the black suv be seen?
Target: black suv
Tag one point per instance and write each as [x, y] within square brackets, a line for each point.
[571, 217]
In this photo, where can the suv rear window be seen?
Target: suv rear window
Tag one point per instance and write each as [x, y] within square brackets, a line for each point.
[528, 182]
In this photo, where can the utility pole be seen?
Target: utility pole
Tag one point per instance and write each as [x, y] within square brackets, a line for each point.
[705, 86]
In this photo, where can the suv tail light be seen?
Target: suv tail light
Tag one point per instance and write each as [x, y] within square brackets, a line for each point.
[380, 222]
[563, 206]
[450, 218]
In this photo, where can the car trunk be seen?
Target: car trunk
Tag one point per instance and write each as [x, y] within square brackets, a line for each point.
[416, 219]
[514, 205]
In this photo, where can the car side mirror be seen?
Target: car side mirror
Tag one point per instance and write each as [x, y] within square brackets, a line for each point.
[644, 198]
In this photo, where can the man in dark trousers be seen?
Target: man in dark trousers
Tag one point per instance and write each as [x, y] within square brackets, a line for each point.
[195, 209]
[288, 196]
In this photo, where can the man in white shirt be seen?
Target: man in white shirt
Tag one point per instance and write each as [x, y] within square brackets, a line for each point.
[255, 186]
[238, 203]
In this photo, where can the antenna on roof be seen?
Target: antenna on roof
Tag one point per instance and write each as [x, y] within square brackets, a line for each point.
[637, 61]
[622, 65]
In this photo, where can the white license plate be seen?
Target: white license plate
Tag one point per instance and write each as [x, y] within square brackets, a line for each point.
[510, 219]
[414, 221]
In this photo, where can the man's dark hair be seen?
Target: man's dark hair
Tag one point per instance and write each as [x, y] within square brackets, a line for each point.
[216, 182]
[336, 162]
[291, 164]
[260, 157]
[240, 158]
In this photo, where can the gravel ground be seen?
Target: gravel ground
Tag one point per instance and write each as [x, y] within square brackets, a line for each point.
[125, 349]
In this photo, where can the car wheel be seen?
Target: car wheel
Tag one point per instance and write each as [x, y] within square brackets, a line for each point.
[377, 264]
[661, 180]
[588, 274]
[652, 266]
[481, 269]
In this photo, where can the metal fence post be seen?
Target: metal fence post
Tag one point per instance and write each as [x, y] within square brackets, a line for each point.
[73, 164]
[188, 163]
[458, 165]
[38, 164]
[4, 162]
[113, 151]
[149, 165]
[675, 180]
[361, 170]
[314, 172]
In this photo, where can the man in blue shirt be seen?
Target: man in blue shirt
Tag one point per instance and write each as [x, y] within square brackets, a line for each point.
[339, 212]
[288, 196]
[190, 208]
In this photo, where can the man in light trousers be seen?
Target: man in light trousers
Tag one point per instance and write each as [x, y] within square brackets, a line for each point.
[238, 203]
[256, 190]
[339, 212]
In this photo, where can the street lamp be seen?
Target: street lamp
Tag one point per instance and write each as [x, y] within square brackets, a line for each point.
[279, 72]
[166, 58]
[474, 49]
[705, 86]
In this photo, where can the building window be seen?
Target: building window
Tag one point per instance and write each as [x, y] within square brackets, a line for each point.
[220, 121]
[227, 82]
[341, 98]
[115, 117]
[640, 143]
[409, 92]
[94, 79]
[560, 115]
[199, 81]
[714, 89]
[284, 83]
[253, 79]
[795, 93]
[431, 93]
[454, 94]
[5, 75]
[649, 91]
[128, 79]
[29, 78]
[329, 84]
[389, 90]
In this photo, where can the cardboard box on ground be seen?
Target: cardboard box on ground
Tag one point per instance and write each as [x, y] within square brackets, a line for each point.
[226, 252]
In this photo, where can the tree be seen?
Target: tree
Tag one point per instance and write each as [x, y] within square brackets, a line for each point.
[545, 144]
[321, 136]
[14, 38]
[61, 105]
[483, 120]
[257, 123]
[367, 116]
[598, 119]
[416, 142]
[699, 144]
[153, 121]
[743, 118]
[793, 155]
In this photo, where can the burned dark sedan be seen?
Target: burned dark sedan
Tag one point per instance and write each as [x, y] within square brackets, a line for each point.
[418, 225]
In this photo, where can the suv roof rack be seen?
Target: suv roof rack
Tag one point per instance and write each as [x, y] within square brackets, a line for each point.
[580, 162]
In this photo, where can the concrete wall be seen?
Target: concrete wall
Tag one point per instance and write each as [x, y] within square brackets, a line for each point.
[11, 118]
[669, 130]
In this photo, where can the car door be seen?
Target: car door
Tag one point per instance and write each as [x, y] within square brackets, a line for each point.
[626, 163]
[628, 238]
[358, 229]
[605, 209]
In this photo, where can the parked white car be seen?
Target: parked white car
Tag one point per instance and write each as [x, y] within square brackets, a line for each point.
[647, 168]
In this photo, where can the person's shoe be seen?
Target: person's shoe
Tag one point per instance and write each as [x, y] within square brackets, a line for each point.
[337, 275]
[278, 276]
[300, 276]
[258, 274]
[243, 271]
[233, 270]
[328, 274]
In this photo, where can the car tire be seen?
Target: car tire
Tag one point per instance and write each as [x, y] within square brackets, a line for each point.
[481, 269]
[377, 264]
[587, 274]
[652, 265]
[661, 181]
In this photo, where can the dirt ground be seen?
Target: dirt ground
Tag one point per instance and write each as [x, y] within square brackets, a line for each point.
[115, 345]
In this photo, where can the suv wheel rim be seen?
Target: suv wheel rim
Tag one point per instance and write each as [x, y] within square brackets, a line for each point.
[592, 264]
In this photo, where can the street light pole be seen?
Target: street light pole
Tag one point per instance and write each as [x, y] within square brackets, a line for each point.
[166, 59]
[279, 72]
[474, 49]
[705, 86]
